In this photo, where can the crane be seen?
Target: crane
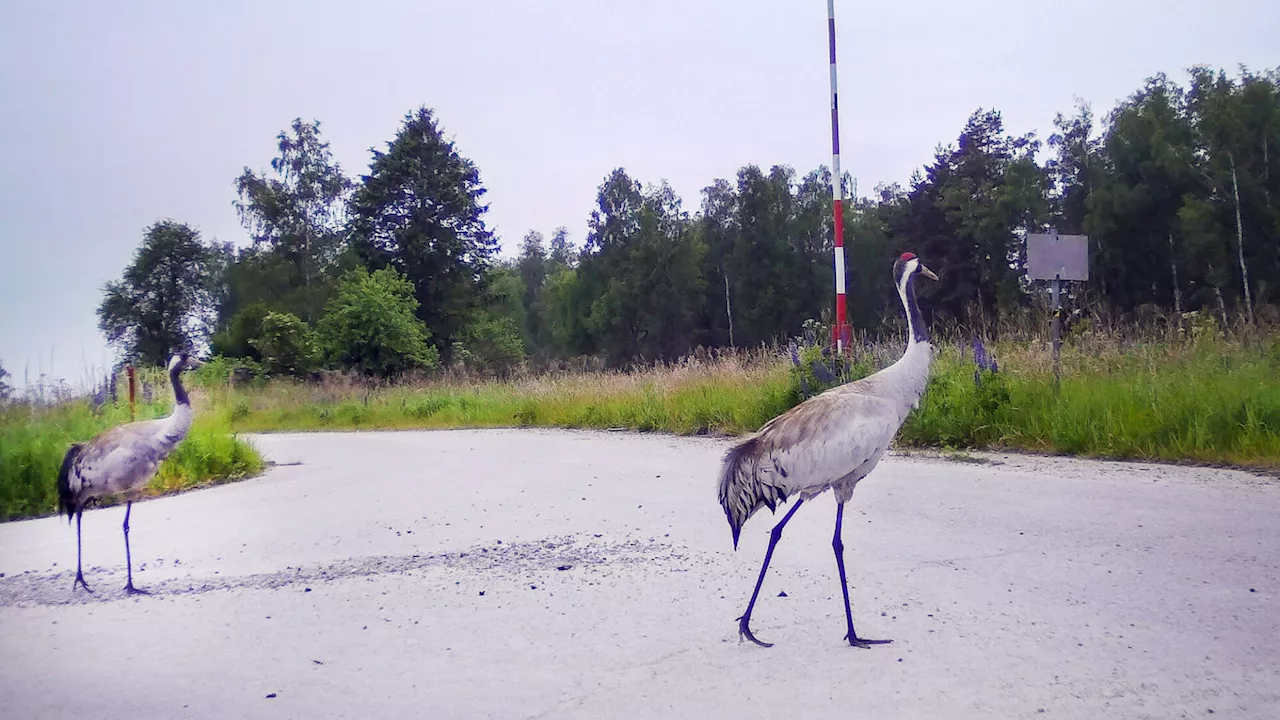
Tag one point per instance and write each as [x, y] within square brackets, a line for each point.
[121, 461]
[831, 440]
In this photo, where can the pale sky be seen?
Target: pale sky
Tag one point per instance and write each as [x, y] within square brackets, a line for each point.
[115, 115]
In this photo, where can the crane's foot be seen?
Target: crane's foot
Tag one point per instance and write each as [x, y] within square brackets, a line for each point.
[744, 631]
[79, 582]
[864, 643]
[131, 590]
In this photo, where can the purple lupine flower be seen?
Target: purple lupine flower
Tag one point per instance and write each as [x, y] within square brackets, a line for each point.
[99, 397]
[981, 357]
[795, 355]
[821, 372]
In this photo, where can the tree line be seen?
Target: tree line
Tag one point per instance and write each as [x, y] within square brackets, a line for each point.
[1178, 188]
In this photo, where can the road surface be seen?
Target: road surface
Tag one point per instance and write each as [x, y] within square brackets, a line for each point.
[551, 574]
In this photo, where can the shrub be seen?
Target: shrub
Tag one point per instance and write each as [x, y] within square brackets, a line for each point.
[220, 370]
[236, 339]
[371, 326]
[286, 344]
[490, 345]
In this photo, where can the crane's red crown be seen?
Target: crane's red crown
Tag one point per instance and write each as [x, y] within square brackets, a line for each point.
[907, 256]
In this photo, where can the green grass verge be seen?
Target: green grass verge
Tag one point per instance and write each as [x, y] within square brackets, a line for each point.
[1215, 404]
[33, 442]
[730, 403]
[1204, 402]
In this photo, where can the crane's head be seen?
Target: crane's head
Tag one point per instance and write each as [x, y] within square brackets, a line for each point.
[907, 266]
[183, 361]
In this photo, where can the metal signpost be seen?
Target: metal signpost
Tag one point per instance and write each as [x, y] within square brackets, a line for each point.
[840, 333]
[1055, 257]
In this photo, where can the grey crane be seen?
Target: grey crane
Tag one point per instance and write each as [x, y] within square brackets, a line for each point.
[121, 461]
[831, 440]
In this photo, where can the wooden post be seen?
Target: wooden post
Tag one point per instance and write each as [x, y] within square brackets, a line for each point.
[133, 384]
[728, 310]
[1057, 332]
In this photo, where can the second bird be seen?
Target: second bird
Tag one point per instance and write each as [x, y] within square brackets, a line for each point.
[830, 441]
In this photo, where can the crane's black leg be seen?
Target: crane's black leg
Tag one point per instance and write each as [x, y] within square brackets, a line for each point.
[744, 629]
[79, 573]
[128, 559]
[838, 545]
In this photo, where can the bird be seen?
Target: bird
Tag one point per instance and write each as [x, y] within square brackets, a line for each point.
[830, 441]
[121, 461]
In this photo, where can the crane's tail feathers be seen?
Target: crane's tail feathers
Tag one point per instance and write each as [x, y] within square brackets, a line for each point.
[66, 497]
[742, 490]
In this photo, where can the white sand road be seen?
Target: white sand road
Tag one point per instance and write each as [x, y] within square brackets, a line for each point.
[556, 574]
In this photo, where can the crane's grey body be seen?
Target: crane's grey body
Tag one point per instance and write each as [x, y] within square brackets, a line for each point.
[831, 441]
[120, 462]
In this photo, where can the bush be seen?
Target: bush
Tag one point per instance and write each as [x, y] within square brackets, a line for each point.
[286, 344]
[816, 367]
[220, 370]
[371, 326]
[236, 339]
[490, 345]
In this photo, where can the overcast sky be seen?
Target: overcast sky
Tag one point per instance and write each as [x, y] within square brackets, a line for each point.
[114, 115]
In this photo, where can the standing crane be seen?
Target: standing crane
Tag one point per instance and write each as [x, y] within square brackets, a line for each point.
[831, 440]
[121, 461]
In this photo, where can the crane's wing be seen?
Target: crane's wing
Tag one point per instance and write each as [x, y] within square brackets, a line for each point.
[115, 461]
[806, 449]
[821, 442]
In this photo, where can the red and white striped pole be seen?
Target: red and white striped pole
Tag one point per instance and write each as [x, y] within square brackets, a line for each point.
[839, 333]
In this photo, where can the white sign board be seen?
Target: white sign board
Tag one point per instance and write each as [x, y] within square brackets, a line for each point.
[1051, 255]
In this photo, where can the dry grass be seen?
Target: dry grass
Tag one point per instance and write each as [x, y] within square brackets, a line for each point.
[724, 393]
[1201, 400]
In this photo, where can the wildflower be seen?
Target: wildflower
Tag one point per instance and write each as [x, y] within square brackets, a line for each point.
[981, 357]
[821, 372]
[99, 397]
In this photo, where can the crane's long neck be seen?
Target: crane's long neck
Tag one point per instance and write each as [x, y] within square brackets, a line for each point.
[917, 331]
[178, 423]
[179, 392]
[912, 369]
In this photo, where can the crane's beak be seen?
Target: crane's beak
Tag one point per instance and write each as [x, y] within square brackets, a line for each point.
[927, 272]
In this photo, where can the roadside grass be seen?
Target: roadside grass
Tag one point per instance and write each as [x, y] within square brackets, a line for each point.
[33, 441]
[730, 395]
[1213, 403]
[1207, 401]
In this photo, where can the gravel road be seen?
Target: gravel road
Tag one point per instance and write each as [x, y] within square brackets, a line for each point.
[554, 574]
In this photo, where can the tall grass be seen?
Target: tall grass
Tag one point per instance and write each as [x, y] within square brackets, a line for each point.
[1206, 401]
[33, 440]
[732, 394]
